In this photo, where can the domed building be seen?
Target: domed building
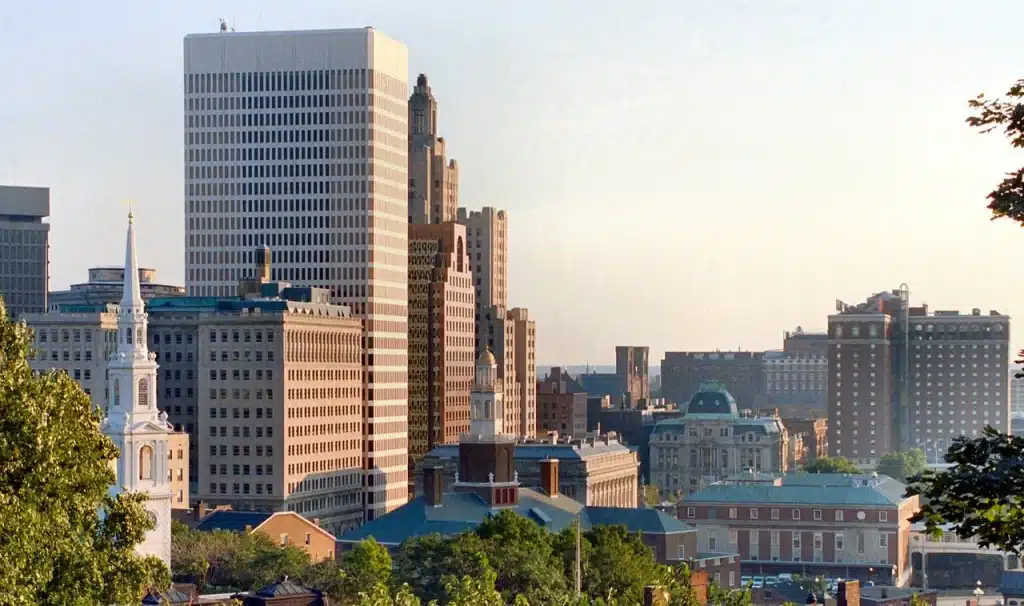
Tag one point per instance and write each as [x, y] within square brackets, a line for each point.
[712, 441]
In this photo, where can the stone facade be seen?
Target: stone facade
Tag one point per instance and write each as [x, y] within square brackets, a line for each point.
[711, 441]
[433, 179]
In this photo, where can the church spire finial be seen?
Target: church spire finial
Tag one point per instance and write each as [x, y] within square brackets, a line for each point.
[131, 298]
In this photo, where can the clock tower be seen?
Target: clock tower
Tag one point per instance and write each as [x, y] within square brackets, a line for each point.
[138, 429]
[487, 454]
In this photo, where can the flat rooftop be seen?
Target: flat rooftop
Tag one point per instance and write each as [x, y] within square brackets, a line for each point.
[21, 201]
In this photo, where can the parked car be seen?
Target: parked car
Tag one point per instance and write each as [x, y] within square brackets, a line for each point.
[744, 581]
[771, 581]
[758, 582]
[786, 576]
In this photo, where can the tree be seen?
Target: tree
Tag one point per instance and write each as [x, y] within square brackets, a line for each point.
[620, 565]
[980, 495]
[367, 564]
[811, 584]
[652, 495]
[63, 539]
[521, 552]
[831, 465]
[478, 591]
[381, 595]
[903, 465]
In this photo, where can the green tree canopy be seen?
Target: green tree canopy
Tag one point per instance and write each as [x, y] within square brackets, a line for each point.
[831, 465]
[981, 495]
[63, 539]
[902, 465]
[652, 495]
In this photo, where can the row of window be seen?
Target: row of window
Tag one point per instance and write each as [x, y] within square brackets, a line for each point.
[754, 513]
[223, 432]
[242, 413]
[223, 488]
[240, 450]
[240, 394]
[243, 470]
[237, 375]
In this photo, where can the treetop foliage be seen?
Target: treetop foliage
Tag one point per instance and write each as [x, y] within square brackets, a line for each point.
[63, 539]
[831, 465]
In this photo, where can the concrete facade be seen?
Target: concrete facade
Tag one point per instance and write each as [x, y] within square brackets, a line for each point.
[104, 287]
[441, 336]
[433, 179]
[711, 442]
[299, 141]
[24, 248]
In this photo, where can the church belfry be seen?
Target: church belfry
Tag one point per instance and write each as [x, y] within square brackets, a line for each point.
[133, 422]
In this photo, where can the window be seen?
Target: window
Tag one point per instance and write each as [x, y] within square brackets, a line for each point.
[146, 463]
[753, 513]
[284, 539]
[883, 516]
[691, 512]
[839, 541]
[883, 540]
[143, 392]
[309, 537]
[712, 543]
[796, 514]
[775, 514]
[817, 540]
[839, 515]
[732, 513]
[796, 541]
[817, 514]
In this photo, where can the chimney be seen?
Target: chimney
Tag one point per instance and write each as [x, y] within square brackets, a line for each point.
[553, 437]
[549, 477]
[199, 511]
[848, 593]
[433, 485]
[316, 522]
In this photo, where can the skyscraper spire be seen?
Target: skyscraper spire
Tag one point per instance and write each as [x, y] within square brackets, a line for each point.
[132, 297]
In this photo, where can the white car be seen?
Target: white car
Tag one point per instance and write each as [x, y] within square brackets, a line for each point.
[744, 581]
[758, 583]
[786, 577]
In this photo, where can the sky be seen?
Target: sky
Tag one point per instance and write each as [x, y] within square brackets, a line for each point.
[679, 174]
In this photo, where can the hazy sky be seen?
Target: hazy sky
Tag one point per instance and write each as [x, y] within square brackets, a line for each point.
[678, 174]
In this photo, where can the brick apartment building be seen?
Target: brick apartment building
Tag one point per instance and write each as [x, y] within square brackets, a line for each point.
[682, 373]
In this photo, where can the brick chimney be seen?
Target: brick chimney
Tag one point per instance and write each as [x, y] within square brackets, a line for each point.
[848, 593]
[433, 485]
[549, 477]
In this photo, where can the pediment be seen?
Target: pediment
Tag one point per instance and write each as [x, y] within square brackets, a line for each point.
[146, 427]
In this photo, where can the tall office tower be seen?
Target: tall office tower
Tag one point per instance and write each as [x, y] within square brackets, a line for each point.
[631, 371]
[487, 233]
[24, 248]
[299, 141]
[525, 335]
[433, 181]
[441, 336]
[945, 374]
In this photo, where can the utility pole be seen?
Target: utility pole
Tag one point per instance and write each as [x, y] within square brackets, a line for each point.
[579, 557]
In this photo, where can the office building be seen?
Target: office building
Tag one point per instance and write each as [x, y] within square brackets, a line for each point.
[104, 286]
[682, 374]
[487, 233]
[712, 441]
[1016, 392]
[433, 179]
[299, 141]
[525, 366]
[796, 381]
[799, 341]
[827, 525]
[904, 376]
[24, 249]
[441, 335]
[631, 369]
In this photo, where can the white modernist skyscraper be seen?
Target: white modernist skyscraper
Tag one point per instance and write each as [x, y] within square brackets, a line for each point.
[134, 423]
[298, 141]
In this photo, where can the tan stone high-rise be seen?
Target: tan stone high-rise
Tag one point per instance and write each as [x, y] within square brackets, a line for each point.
[497, 331]
[281, 395]
[433, 180]
[525, 334]
[487, 242]
[441, 336]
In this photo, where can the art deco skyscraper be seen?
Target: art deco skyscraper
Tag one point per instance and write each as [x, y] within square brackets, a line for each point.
[433, 180]
[299, 141]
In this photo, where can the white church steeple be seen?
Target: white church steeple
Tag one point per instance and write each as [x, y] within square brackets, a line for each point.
[133, 422]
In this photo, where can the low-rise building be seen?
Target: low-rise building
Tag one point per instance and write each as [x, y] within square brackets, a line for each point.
[596, 471]
[712, 441]
[283, 527]
[561, 404]
[846, 526]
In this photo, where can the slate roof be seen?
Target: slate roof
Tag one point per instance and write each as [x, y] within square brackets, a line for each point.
[236, 521]
[540, 451]
[462, 512]
[806, 489]
[283, 588]
[712, 400]
[171, 596]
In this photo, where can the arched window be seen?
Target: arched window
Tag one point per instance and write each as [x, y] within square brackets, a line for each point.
[117, 392]
[487, 409]
[143, 392]
[146, 463]
[128, 335]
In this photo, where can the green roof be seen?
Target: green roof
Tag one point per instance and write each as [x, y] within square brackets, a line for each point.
[807, 489]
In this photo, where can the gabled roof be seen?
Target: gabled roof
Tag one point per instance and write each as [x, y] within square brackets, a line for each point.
[243, 521]
[463, 512]
[807, 489]
[283, 588]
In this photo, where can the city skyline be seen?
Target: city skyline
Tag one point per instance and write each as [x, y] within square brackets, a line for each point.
[111, 145]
